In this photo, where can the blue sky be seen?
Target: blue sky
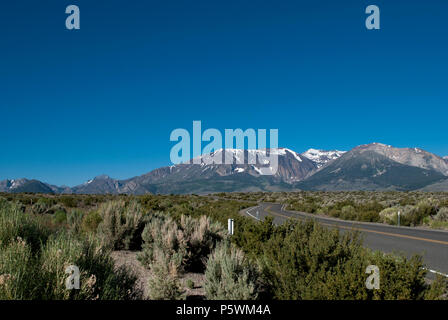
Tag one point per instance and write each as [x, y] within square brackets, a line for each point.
[104, 99]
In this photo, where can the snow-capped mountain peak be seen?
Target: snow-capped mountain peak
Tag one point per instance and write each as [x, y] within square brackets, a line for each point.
[15, 183]
[321, 157]
[289, 166]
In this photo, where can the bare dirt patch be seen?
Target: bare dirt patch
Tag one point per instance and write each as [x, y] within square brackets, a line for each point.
[129, 260]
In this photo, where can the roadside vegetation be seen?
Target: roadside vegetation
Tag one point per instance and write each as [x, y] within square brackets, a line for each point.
[429, 209]
[182, 243]
[33, 260]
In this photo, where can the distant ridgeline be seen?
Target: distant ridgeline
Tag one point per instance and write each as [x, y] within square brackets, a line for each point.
[367, 167]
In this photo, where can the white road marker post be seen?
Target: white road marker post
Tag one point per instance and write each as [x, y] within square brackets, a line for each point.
[230, 224]
[398, 218]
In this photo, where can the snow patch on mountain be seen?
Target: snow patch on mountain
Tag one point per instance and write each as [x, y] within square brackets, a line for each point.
[13, 183]
[295, 154]
[239, 155]
[321, 157]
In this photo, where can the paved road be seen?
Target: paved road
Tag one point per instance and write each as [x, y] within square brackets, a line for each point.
[431, 244]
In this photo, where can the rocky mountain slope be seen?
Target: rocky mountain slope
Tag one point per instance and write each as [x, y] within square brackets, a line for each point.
[377, 167]
[198, 176]
[415, 157]
[24, 185]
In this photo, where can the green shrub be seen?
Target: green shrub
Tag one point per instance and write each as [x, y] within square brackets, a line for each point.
[60, 217]
[442, 215]
[201, 236]
[306, 261]
[121, 224]
[348, 213]
[412, 215]
[164, 283]
[438, 289]
[69, 201]
[438, 221]
[334, 213]
[427, 207]
[187, 243]
[91, 221]
[369, 216]
[389, 215]
[400, 278]
[161, 234]
[74, 221]
[251, 236]
[42, 205]
[300, 260]
[229, 275]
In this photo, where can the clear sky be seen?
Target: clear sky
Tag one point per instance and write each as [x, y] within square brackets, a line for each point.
[104, 99]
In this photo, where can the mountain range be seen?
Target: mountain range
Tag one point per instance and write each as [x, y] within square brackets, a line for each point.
[372, 166]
